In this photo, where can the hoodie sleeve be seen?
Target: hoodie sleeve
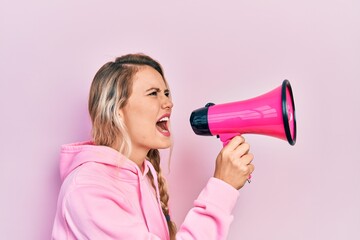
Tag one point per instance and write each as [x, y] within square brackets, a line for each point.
[94, 213]
[211, 216]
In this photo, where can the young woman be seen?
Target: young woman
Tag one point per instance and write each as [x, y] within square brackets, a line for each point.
[113, 187]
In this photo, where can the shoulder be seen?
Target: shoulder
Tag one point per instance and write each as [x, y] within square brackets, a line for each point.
[95, 193]
[96, 181]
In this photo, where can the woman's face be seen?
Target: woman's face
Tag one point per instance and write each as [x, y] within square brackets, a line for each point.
[148, 111]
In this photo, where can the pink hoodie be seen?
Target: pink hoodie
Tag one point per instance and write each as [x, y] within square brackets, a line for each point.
[104, 195]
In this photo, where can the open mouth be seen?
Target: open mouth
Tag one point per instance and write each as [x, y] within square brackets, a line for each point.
[162, 125]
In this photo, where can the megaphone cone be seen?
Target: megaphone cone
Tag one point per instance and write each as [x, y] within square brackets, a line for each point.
[271, 114]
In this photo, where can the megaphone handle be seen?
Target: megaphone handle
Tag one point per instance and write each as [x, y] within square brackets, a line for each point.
[225, 139]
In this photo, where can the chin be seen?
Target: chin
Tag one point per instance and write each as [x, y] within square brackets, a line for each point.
[164, 147]
[165, 144]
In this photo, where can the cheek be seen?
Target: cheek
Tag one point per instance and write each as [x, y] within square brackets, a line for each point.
[140, 122]
[140, 118]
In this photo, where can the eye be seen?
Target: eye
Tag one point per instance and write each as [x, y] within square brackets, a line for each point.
[167, 93]
[154, 93]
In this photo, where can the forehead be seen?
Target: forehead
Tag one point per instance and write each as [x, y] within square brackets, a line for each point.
[147, 77]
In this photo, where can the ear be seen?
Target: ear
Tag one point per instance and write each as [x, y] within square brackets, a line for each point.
[121, 113]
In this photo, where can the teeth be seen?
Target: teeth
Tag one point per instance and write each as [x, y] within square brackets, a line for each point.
[164, 119]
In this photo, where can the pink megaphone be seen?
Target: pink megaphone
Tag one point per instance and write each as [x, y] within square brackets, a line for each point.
[271, 114]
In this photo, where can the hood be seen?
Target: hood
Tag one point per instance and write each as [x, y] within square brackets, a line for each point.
[75, 154]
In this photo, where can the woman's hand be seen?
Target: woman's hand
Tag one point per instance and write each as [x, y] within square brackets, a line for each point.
[233, 164]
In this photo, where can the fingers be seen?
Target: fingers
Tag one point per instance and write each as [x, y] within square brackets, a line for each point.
[237, 147]
[241, 155]
[245, 164]
[242, 149]
[235, 142]
[247, 158]
[234, 162]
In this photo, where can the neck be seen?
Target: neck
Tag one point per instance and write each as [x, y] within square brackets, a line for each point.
[138, 157]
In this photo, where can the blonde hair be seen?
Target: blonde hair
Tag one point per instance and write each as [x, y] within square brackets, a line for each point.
[109, 92]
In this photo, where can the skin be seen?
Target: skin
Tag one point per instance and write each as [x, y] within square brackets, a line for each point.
[234, 163]
[150, 100]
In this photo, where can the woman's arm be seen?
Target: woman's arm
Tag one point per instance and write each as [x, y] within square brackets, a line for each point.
[211, 216]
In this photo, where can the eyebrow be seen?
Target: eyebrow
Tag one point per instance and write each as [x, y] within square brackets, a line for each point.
[153, 88]
[157, 90]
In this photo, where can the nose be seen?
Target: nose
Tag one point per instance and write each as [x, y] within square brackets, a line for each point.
[167, 103]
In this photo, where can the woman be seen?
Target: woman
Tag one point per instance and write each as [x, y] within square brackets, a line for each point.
[113, 187]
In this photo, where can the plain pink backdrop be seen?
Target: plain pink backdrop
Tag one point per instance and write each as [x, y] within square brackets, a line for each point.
[211, 52]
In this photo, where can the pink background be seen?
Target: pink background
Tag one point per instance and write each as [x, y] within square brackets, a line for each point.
[211, 52]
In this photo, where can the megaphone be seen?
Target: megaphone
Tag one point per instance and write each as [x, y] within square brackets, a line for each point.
[271, 114]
